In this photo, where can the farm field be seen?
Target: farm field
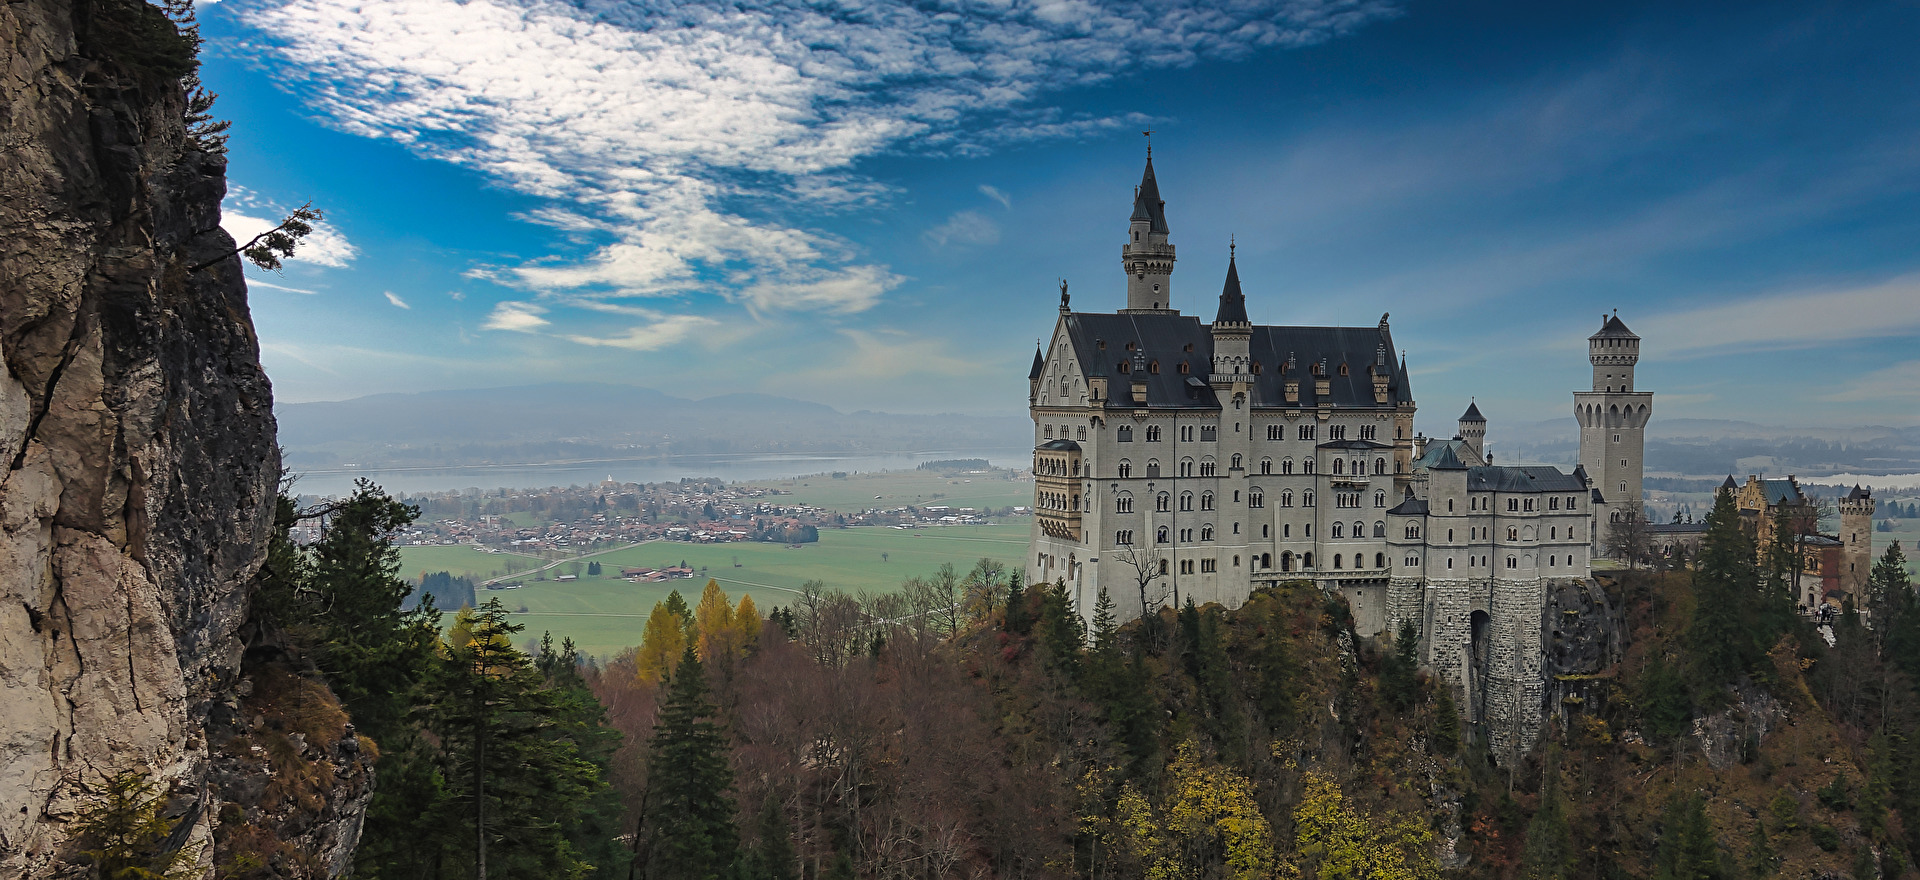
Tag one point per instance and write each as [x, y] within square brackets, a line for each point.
[855, 492]
[461, 560]
[605, 615]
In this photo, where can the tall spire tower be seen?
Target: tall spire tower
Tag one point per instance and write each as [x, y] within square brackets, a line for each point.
[1147, 256]
[1613, 424]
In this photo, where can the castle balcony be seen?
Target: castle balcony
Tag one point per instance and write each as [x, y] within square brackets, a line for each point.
[1358, 481]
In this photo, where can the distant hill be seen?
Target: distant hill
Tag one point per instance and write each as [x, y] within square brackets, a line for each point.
[1716, 447]
[570, 421]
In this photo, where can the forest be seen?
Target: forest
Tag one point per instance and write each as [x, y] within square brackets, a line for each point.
[968, 725]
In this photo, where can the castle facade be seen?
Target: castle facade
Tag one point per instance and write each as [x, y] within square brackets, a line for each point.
[1176, 459]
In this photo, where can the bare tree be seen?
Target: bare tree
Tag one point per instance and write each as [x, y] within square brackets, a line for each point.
[1150, 578]
[1629, 537]
[982, 587]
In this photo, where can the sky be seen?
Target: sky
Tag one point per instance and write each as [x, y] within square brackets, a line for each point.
[871, 205]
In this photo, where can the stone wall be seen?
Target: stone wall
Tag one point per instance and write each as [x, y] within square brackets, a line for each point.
[136, 427]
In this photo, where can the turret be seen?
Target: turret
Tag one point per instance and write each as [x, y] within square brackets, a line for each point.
[1147, 257]
[1033, 375]
[1613, 422]
[1856, 540]
[1232, 331]
[1613, 351]
[1473, 429]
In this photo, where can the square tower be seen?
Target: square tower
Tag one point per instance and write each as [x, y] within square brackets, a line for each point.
[1613, 421]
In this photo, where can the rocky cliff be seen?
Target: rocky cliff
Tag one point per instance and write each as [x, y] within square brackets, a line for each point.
[136, 432]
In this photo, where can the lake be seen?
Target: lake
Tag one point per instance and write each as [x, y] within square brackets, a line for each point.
[732, 468]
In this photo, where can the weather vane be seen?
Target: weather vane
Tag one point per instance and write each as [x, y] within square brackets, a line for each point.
[1149, 135]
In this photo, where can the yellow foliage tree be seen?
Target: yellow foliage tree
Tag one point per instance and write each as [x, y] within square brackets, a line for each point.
[713, 620]
[1336, 841]
[746, 624]
[1211, 826]
[661, 644]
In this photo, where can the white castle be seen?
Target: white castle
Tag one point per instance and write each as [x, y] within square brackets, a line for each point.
[1179, 460]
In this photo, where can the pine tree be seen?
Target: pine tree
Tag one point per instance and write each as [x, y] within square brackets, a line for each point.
[1399, 681]
[771, 857]
[688, 822]
[1061, 630]
[1777, 599]
[1721, 637]
[1019, 620]
[1687, 850]
[1549, 853]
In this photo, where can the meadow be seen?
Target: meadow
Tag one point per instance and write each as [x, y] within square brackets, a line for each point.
[604, 615]
[857, 492]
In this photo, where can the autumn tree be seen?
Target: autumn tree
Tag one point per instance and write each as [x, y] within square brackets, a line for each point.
[1333, 840]
[1210, 825]
[661, 643]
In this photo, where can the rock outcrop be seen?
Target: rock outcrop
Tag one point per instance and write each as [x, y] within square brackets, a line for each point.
[136, 430]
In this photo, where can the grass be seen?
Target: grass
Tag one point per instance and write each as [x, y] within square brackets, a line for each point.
[856, 492]
[605, 615]
[461, 560]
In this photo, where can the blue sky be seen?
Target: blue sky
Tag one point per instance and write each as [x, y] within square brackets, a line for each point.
[870, 205]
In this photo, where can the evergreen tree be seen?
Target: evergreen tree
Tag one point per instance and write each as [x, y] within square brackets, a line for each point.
[1665, 708]
[677, 604]
[1549, 853]
[1686, 850]
[1018, 620]
[1273, 669]
[688, 822]
[771, 857]
[1399, 671]
[1060, 629]
[1721, 638]
[1777, 599]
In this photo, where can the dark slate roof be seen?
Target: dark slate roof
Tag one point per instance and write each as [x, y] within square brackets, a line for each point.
[1522, 479]
[1166, 338]
[1612, 326]
[1354, 444]
[1692, 528]
[1859, 493]
[1410, 506]
[1473, 413]
[1730, 484]
[1432, 454]
[1039, 365]
[1147, 204]
[1233, 303]
[1821, 541]
[1780, 492]
[1443, 460]
[1061, 445]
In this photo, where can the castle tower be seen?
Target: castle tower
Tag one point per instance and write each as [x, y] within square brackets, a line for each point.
[1232, 331]
[1856, 539]
[1473, 429]
[1147, 256]
[1613, 422]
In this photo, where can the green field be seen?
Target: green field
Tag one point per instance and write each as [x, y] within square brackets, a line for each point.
[462, 560]
[605, 615]
[855, 492]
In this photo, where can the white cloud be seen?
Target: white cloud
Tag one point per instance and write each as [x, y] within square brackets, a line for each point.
[517, 316]
[457, 295]
[255, 282]
[674, 129]
[324, 246]
[397, 301]
[1795, 319]
[1898, 383]
[964, 228]
[1006, 201]
[665, 330]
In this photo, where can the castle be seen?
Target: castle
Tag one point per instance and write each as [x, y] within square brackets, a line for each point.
[1178, 460]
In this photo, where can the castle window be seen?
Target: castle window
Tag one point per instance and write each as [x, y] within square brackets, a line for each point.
[1337, 432]
[1306, 432]
[1343, 368]
[1163, 566]
[1366, 432]
[1206, 501]
[1449, 536]
[1206, 467]
[1184, 369]
[1186, 536]
[1236, 528]
[1236, 461]
[1256, 499]
[1338, 532]
[1306, 465]
[1379, 560]
[1359, 560]
[1336, 560]
[1513, 505]
[1553, 503]
[1380, 498]
[1126, 469]
[1153, 467]
[1080, 433]
[1339, 465]
[1286, 465]
[1413, 561]
[1413, 531]
[1553, 561]
[1186, 566]
[1048, 431]
[1529, 505]
[1209, 432]
[1306, 559]
[1276, 432]
[1513, 534]
[1306, 499]
[1266, 466]
[1553, 534]
[1163, 502]
[1206, 532]
[1380, 529]
[1359, 530]
[1153, 367]
[1153, 433]
[1449, 562]
[1286, 498]
[1123, 504]
[1513, 562]
[1186, 467]
[1186, 433]
[1449, 510]
[1124, 537]
[1125, 434]
[1379, 466]
[1207, 565]
[1186, 501]
[1160, 537]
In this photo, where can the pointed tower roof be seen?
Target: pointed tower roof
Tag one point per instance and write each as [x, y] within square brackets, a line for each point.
[1147, 204]
[1730, 485]
[1039, 365]
[1473, 413]
[1233, 304]
[1444, 460]
[1612, 326]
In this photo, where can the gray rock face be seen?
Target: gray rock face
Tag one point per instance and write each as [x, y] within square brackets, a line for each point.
[136, 432]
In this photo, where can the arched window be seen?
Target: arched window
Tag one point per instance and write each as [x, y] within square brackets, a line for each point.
[1236, 561]
[1359, 530]
[1286, 465]
[1306, 498]
[1125, 434]
[1163, 502]
[1160, 536]
[1186, 501]
[1413, 531]
[1206, 467]
[1266, 466]
[1256, 499]
[1306, 559]
[1186, 467]
[1286, 497]
[1379, 466]
[1153, 468]
[1123, 503]
[1163, 566]
[1380, 498]
[1286, 561]
[1359, 560]
[1236, 461]
[1336, 560]
[1126, 468]
[1379, 560]
[1339, 466]
[1306, 466]
[1206, 501]
[1380, 529]
[1153, 433]
[1123, 537]
[1338, 530]
[1206, 532]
